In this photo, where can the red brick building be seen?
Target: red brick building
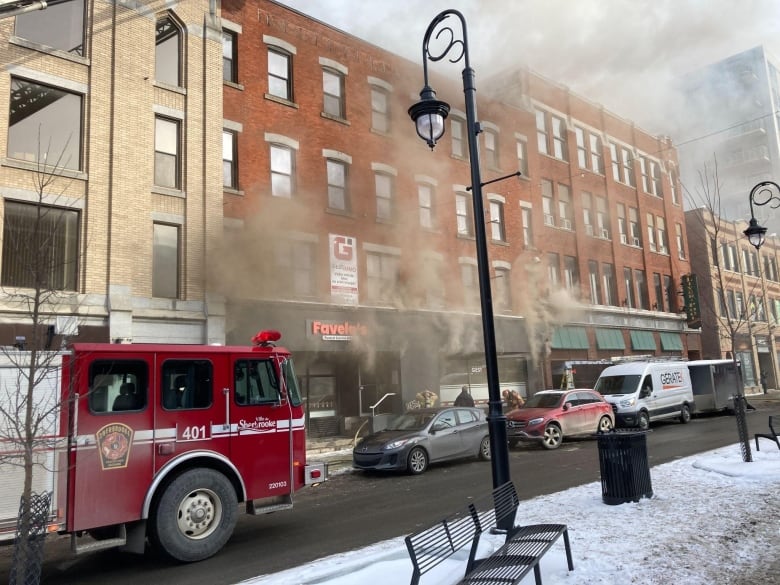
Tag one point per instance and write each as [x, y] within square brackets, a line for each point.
[356, 241]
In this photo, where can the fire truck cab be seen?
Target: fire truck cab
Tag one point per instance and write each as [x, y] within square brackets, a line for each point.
[164, 442]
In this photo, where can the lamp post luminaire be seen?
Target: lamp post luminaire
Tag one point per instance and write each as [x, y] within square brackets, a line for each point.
[764, 193]
[428, 115]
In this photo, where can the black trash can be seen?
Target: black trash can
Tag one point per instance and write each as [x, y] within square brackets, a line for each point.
[625, 472]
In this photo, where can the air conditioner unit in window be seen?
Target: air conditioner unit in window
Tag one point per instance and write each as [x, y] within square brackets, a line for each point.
[605, 233]
[623, 239]
[549, 219]
[565, 223]
[589, 229]
[636, 241]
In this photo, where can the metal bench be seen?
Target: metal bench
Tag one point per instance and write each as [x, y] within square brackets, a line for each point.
[523, 547]
[772, 437]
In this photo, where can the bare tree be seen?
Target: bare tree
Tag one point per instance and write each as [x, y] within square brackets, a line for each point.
[709, 234]
[38, 270]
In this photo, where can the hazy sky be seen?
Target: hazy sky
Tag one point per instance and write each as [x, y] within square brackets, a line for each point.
[621, 53]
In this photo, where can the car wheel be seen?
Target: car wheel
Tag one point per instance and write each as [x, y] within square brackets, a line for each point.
[553, 437]
[513, 443]
[605, 424]
[417, 462]
[643, 421]
[685, 414]
[484, 449]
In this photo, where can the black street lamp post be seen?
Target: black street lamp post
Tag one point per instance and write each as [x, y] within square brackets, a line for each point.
[428, 115]
[764, 193]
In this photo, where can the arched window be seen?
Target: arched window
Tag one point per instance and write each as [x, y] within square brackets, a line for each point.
[167, 55]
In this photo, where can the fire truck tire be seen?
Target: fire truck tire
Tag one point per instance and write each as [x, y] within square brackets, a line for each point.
[195, 516]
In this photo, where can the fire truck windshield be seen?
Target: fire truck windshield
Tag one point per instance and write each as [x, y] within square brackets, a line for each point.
[291, 381]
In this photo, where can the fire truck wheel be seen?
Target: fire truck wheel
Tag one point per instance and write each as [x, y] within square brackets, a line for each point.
[195, 515]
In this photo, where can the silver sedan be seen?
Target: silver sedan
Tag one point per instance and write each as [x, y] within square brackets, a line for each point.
[418, 438]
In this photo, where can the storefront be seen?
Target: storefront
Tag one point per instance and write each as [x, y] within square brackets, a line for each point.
[353, 363]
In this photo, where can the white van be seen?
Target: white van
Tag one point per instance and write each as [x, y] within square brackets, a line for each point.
[643, 392]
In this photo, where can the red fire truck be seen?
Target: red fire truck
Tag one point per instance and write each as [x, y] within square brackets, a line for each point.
[162, 442]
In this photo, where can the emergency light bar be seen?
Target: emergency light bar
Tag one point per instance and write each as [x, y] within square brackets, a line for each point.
[266, 338]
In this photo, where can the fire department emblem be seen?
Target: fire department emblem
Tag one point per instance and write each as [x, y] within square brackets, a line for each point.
[114, 441]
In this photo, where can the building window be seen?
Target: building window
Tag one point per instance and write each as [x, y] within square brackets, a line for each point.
[167, 54]
[587, 213]
[282, 171]
[522, 157]
[44, 125]
[383, 184]
[60, 26]
[669, 293]
[603, 224]
[380, 113]
[503, 290]
[635, 229]
[542, 132]
[565, 214]
[659, 292]
[674, 187]
[547, 203]
[622, 223]
[491, 148]
[628, 285]
[457, 127]
[497, 232]
[166, 153]
[596, 157]
[651, 232]
[553, 270]
[571, 274]
[593, 282]
[425, 201]
[622, 164]
[333, 93]
[525, 215]
[296, 265]
[643, 300]
[337, 185]
[40, 246]
[229, 56]
[610, 284]
[229, 159]
[470, 282]
[381, 276]
[280, 74]
[655, 179]
[663, 239]
[651, 176]
[165, 261]
[464, 211]
[582, 151]
[560, 150]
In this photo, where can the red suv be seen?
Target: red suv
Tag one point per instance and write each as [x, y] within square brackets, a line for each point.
[550, 415]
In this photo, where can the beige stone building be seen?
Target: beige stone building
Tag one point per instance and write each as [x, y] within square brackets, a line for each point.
[114, 110]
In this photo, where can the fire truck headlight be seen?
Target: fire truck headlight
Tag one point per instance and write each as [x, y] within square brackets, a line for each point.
[396, 444]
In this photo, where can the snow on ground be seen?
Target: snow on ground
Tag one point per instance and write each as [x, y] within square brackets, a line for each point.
[712, 520]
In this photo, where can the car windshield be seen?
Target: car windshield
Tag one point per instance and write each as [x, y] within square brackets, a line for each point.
[411, 421]
[543, 401]
[617, 385]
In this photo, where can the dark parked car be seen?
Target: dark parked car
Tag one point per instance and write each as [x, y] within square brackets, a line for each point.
[417, 438]
[550, 415]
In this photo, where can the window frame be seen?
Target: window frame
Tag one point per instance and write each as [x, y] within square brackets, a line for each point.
[39, 19]
[230, 64]
[343, 188]
[159, 44]
[232, 173]
[464, 214]
[177, 170]
[329, 99]
[287, 80]
[380, 112]
[164, 271]
[280, 173]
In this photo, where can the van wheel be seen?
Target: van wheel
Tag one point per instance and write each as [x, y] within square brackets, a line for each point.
[553, 437]
[643, 421]
[685, 414]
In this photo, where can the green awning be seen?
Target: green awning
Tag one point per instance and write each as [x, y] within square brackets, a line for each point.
[642, 340]
[671, 342]
[610, 339]
[570, 338]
